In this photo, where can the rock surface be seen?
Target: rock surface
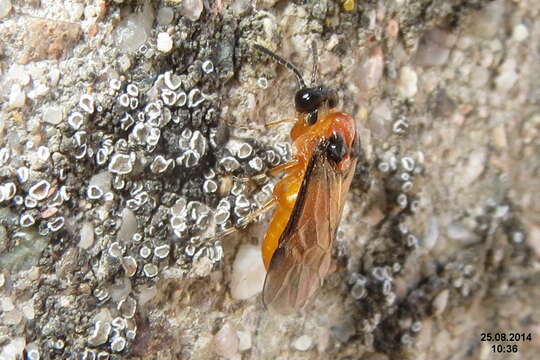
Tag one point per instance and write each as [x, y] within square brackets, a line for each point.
[123, 149]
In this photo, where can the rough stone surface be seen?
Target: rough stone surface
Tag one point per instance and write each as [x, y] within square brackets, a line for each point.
[47, 39]
[143, 149]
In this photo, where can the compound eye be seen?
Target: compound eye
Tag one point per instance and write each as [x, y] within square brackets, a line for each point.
[307, 100]
[336, 149]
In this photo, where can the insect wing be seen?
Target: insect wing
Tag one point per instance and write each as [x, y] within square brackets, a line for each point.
[302, 260]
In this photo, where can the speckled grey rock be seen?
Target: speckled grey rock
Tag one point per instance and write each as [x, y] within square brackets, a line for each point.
[132, 136]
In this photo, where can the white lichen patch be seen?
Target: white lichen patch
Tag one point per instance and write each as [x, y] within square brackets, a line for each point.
[121, 164]
[124, 111]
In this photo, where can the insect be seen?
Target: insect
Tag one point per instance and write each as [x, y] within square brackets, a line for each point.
[297, 246]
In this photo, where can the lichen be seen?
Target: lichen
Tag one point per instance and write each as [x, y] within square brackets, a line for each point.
[132, 136]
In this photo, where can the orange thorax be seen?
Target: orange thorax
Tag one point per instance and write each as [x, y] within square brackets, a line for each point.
[305, 140]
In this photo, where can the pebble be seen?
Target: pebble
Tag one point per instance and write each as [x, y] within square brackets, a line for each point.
[372, 69]
[248, 273]
[303, 343]
[38, 91]
[408, 82]
[202, 266]
[434, 48]
[244, 340]
[440, 302]
[192, 9]
[53, 115]
[164, 42]
[19, 75]
[226, 341]
[12, 317]
[499, 136]
[146, 294]
[124, 62]
[75, 11]
[458, 231]
[5, 8]
[43, 153]
[45, 38]
[6, 304]
[474, 167]
[87, 236]
[431, 235]
[344, 330]
[479, 77]
[128, 227]
[520, 33]
[14, 349]
[28, 310]
[487, 22]
[507, 76]
[241, 7]
[165, 15]
[17, 97]
[131, 33]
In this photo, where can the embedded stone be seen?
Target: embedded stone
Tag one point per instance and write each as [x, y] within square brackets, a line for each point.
[164, 42]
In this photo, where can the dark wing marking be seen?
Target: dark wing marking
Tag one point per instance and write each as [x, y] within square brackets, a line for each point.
[301, 262]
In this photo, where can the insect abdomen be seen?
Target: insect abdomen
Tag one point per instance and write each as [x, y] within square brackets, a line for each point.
[285, 192]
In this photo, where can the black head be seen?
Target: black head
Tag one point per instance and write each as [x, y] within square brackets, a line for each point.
[309, 100]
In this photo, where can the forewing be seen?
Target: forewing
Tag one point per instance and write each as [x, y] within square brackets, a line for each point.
[301, 262]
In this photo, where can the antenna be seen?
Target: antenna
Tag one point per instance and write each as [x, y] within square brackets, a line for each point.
[315, 71]
[283, 62]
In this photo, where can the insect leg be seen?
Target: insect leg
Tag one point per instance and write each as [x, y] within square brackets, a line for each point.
[245, 180]
[272, 172]
[277, 122]
[264, 208]
[236, 126]
[282, 167]
[248, 219]
[267, 125]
